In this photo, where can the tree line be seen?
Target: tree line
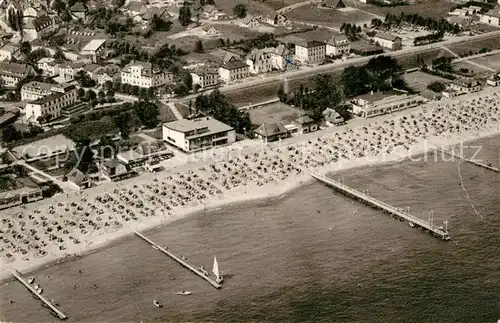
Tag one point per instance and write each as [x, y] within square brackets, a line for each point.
[439, 25]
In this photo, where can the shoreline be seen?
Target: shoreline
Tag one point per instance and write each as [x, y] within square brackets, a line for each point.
[258, 194]
[237, 195]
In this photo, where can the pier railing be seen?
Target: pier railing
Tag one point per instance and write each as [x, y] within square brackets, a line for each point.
[382, 205]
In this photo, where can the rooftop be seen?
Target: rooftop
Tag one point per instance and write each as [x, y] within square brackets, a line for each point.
[186, 125]
[93, 45]
[386, 36]
[47, 146]
[146, 68]
[268, 129]
[11, 48]
[232, 65]
[310, 44]
[15, 69]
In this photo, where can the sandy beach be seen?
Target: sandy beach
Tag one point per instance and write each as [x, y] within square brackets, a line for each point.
[70, 225]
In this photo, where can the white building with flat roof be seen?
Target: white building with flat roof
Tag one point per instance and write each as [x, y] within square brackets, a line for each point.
[51, 105]
[378, 103]
[198, 134]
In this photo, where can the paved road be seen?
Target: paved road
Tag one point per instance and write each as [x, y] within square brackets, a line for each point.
[306, 72]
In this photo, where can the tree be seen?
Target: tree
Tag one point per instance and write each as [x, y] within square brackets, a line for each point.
[25, 48]
[84, 79]
[90, 95]
[82, 158]
[181, 89]
[240, 11]
[185, 15]
[159, 24]
[354, 81]
[282, 95]
[81, 93]
[147, 113]
[101, 96]
[436, 86]
[187, 79]
[198, 47]
[10, 133]
[123, 122]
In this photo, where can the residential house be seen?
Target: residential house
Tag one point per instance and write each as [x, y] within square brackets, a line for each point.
[378, 103]
[338, 45]
[271, 131]
[115, 170]
[108, 73]
[491, 17]
[8, 51]
[332, 117]
[49, 66]
[39, 27]
[459, 12]
[52, 104]
[260, 61]
[282, 58]
[145, 75]
[333, 4]
[210, 30]
[35, 90]
[198, 134]
[210, 12]
[205, 78]
[136, 8]
[310, 52]
[79, 11]
[460, 21]
[79, 179]
[305, 124]
[93, 49]
[11, 73]
[275, 19]
[388, 41]
[251, 21]
[233, 71]
[364, 48]
[68, 71]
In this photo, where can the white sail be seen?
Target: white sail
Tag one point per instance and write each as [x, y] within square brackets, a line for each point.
[215, 270]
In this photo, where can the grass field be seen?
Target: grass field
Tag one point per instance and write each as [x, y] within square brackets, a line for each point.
[278, 4]
[273, 112]
[430, 9]
[329, 17]
[491, 61]
[418, 81]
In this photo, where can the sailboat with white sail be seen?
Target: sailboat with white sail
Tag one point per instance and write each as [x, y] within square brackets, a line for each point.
[216, 272]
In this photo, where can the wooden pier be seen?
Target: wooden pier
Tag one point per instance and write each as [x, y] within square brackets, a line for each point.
[179, 260]
[373, 202]
[452, 153]
[19, 277]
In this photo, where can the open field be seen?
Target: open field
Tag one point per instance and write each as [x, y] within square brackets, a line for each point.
[419, 80]
[253, 7]
[431, 9]
[330, 17]
[278, 4]
[490, 61]
[273, 112]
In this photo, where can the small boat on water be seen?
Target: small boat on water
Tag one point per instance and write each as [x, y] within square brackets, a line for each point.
[39, 291]
[184, 292]
[411, 224]
[36, 287]
[216, 272]
[157, 304]
[31, 280]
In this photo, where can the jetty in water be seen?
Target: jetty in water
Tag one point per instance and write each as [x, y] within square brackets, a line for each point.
[48, 303]
[179, 260]
[472, 161]
[413, 221]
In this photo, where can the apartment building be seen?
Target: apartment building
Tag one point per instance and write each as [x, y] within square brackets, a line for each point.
[378, 103]
[11, 73]
[205, 78]
[310, 52]
[260, 61]
[51, 104]
[233, 71]
[144, 75]
[338, 45]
